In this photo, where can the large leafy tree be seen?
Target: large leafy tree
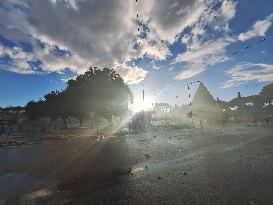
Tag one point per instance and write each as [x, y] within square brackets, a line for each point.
[101, 92]
[267, 92]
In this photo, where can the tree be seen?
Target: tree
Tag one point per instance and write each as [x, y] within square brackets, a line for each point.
[267, 91]
[103, 92]
[257, 109]
[35, 109]
[267, 94]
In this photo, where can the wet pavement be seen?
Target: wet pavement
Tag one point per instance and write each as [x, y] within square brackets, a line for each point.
[216, 166]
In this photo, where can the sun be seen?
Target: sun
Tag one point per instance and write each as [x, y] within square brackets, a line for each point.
[140, 105]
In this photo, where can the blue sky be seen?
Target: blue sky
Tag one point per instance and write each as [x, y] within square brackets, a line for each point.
[44, 43]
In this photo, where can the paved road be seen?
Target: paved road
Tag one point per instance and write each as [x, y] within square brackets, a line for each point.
[230, 166]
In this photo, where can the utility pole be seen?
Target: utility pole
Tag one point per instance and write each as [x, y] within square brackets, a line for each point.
[143, 112]
[143, 98]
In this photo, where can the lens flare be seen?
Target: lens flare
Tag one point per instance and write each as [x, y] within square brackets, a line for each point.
[140, 105]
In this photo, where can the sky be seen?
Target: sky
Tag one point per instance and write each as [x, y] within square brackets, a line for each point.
[156, 45]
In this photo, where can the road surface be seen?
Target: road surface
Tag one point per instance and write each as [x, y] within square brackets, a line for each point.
[231, 165]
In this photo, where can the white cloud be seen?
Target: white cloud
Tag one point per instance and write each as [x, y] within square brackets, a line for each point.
[99, 33]
[210, 48]
[218, 20]
[105, 39]
[19, 63]
[130, 73]
[156, 50]
[228, 10]
[190, 72]
[167, 18]
[202, 48]
[52, 63]
[245, 72]
[197, 59]
[17, 60]
[258, 29]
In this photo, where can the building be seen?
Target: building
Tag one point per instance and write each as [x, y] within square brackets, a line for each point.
[205, 108]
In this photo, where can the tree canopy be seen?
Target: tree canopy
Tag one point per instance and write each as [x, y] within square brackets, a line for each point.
[101, 92]
[254, 105]
[267, 92]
